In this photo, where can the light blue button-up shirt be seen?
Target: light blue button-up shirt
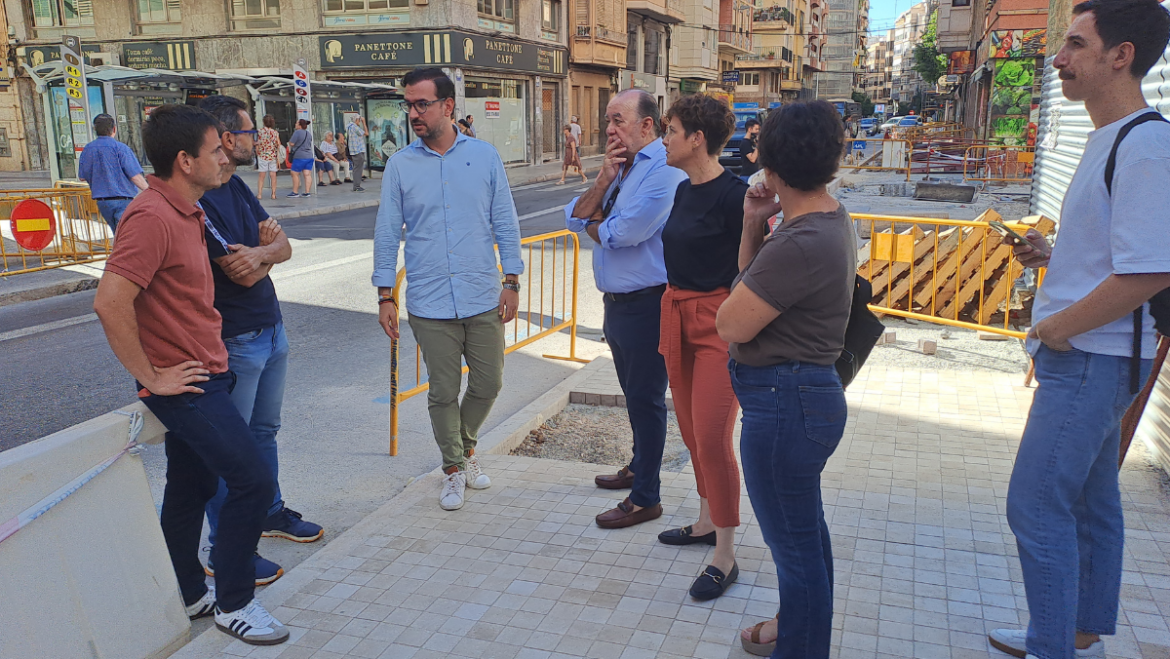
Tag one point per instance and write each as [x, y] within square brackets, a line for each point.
[454, 206]
[629, 256]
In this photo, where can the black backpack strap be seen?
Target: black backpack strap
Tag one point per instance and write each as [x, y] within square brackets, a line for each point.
[1135, 365]
[1111, 163]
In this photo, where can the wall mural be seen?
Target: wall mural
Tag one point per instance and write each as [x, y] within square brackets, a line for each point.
[1015, 103]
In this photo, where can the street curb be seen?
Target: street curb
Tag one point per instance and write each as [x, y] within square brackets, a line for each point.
[83, 283]
[337, 208]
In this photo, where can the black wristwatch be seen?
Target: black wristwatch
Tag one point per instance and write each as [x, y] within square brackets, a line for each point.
[511, 286]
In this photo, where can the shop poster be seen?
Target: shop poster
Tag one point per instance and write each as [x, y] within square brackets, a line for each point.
[387, 124]
[1015, 103]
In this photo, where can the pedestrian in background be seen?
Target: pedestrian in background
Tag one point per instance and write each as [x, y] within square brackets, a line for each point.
[344, 166]
[329, 152]
[449, 189]
[356, 131]
[470, 125]
[267, 154]
[575, 128]
[700, 246]
[749, 153]
[785, 322]
[112, 171]
[244, 243]
[156, 305]
[572, 156]
[623, 213]
[1089, 320]
[300, 149]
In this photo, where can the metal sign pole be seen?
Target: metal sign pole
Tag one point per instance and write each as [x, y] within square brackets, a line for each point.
[77, 89]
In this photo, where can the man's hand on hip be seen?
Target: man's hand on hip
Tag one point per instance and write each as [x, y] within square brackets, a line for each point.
[175, 380]
[509, 301]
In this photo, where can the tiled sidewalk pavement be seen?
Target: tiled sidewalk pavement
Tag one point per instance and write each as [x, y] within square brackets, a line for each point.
[925, 562]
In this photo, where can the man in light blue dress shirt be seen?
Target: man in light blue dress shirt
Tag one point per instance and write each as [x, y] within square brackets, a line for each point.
[624, 213]
[451, 194]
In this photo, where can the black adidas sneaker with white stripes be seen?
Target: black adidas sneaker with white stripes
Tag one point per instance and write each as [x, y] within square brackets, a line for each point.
[252, 624]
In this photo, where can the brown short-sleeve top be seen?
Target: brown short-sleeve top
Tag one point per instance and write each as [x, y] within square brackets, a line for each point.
[160, 247]
[805, 270]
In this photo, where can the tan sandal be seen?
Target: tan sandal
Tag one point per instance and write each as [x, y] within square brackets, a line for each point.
[754, 646]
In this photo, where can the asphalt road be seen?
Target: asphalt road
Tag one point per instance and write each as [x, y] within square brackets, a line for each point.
[57, 369]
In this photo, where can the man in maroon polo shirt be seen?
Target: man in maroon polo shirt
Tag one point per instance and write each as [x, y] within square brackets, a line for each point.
[155, 303]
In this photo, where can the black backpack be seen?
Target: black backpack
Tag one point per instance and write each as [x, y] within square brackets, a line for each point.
[861, 334]
[1160, 303]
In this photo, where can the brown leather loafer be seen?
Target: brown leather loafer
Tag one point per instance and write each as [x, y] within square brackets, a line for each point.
[623, 480]
[625, 515]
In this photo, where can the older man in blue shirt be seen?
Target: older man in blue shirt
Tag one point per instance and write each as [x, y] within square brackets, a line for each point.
[112, 171]
[451, 193]
[624, 213]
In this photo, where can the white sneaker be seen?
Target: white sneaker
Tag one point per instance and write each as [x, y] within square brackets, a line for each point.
[252, 624]
[1012, 641]
[451, 497]
[204, 607]
[476, 479]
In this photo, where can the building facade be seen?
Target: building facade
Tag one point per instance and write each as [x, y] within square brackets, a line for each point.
[879, 70]
[908, 31]
[598, 54]
[508, 58]
[650, 27]
[784, 51]
[844, 53]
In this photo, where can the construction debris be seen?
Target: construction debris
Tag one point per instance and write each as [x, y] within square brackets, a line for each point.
[927, 346]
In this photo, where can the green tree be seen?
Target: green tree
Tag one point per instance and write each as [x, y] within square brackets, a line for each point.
[865, 102]
[928, 62]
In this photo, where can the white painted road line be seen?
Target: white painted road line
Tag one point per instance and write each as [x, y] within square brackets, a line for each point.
[279, 274]
[47, 327]
[529, 216]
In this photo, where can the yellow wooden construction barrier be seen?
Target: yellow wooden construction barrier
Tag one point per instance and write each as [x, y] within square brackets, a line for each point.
[548, 305]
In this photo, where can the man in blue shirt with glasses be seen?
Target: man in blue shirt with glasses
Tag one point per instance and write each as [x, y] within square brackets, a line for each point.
[112, 171]
[451, 193]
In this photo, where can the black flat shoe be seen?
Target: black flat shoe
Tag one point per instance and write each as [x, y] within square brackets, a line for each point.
[712, 583]
[684, 536]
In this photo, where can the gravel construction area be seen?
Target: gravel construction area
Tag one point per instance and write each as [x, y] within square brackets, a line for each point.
[598, 435]
[958, 349]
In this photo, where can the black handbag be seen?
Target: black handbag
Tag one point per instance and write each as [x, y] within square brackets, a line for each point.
[861, 334]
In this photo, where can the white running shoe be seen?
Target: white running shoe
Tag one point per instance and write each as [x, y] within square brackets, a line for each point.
[451, 497]
[476, 479]
[1013, 641]
[204, 607]
[252, 624]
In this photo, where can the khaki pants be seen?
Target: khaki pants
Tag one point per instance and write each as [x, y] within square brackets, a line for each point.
[479, 340]
[344, 169]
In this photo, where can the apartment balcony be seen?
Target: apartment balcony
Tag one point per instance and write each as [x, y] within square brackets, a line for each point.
[670, 12]
[772, 19]
[598, 46]
[954, 28]
[731, 38]
[790, 85]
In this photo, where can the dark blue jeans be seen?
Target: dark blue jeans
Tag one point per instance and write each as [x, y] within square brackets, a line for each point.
[209, 440]
[259, 360]
[793, 418]
[631, 329]
[111, 210]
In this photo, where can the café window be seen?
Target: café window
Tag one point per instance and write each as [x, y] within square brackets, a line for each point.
[497, 14]
[550, 15]
[750, 80]
[159, 16]
[62, 13]
[255, 14]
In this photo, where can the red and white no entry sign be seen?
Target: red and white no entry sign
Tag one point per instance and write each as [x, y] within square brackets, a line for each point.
[33, 225]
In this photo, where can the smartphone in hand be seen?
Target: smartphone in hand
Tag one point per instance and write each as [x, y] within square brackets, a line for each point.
[1004, 231]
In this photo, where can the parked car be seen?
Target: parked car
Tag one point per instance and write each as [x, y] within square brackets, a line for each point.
[869, 126]
[729, 158]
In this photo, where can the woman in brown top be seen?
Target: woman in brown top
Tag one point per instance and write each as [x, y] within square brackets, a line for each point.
[785, 321]
[572, 156]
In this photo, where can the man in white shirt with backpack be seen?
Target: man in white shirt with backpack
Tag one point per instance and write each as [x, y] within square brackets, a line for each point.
[1111, 256]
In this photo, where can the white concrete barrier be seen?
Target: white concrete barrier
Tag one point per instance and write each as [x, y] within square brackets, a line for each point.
[91, 578]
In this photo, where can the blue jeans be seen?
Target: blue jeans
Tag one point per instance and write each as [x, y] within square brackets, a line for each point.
[632, 330]
[209, 441]
[259, 360]
[793, 419]
[111, 210]
[1064, 501]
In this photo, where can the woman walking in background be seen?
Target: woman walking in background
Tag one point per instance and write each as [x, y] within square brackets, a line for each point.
[700, 245]
[267, 154]
[572, 156]
[785, 320]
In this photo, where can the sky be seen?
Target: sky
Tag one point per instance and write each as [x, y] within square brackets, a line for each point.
[883, 13]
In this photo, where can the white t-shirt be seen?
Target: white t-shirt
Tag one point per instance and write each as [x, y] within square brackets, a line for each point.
[1102, 235]
[575, 129]
[328, 147]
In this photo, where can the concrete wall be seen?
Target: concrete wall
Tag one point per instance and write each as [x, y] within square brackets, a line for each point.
[90, 578]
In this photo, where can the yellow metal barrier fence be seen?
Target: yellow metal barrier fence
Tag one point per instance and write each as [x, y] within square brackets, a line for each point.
[1008, 164]
[547, 268]
[79, 234]
[895, 155]
[951, 272]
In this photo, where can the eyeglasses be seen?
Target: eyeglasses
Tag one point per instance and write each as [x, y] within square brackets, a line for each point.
[252, 132]
[419, 106]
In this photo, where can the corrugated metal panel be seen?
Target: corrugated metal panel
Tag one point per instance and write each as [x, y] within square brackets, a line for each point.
[1063, 131]
[1154, 428]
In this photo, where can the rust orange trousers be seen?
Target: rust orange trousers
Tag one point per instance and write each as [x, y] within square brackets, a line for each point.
[696, 363]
